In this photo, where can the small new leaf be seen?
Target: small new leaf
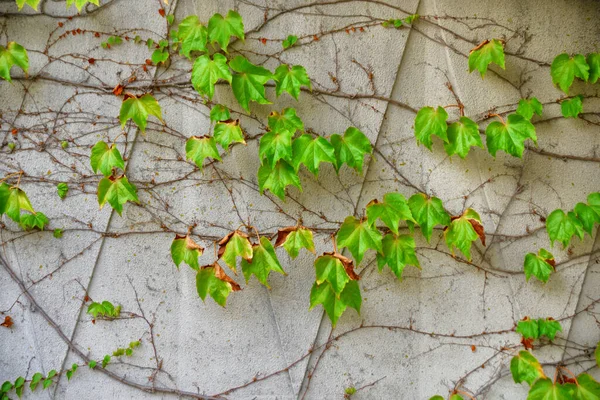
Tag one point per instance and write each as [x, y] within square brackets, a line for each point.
[484, 54]
[62, 189]
[430, 121]
[540, 265]
[185, 249]
[289, 41]
[276, 179]
[571, 108]
[220, 29]
[264, 260]
[35, 380]
[351, 149]
[212, 280]
[290, 79]
[564, 69]
[294, 238]
[198, 148]
[359, 236]
[526, 368]
[528, 107]
[510, 136]
[248, 83]
[116, 191]
[13, 54]
[105, 158]
[428, 212]
[138, 109]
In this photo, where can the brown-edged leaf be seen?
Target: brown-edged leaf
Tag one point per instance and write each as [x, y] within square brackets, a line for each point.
[347, 263]
[478, 229]
[8, 322]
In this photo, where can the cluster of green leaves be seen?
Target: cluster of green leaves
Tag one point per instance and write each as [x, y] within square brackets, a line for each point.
[399, 22]
[111, 41]
[526, 368]
[12, 54]
[566, 68]
[563, 226]
[127, 351]
[458, 137]
[533, 329]
[282, 155]
[105, 309]
[13, 201]
[114, 188]
[78, 3]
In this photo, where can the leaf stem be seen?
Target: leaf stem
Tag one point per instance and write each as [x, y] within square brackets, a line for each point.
[499, 117]
[335, 249]
[11, 175]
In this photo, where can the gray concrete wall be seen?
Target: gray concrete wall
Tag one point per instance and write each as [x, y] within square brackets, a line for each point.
[413, 338]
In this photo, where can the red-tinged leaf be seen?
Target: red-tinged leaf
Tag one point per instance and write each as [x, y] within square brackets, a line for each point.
[8, 322]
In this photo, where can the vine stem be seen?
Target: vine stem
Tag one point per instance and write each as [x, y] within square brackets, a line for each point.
[335, 249]
[499, 117]
[461, 392]
[11, 175]
[460, 106]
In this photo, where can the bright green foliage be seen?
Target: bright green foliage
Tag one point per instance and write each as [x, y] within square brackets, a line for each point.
[333, 304]
[564, 69]
[545, 389]
[351, 149]
[80, 3]
[461, 136]
[105, 361]
[528, 328]
[571, 108]
[510, 136]
[48, 381]
[540, 265]
[526, 368]
[276, 179]
[105, 158]
[212, 280]
[198, 148]
[549, 327]
[275, 146]
[31, 3]
[12, 201]
[264, 260]
[221, 29]
[289, 41]
[359, 236]
[287, 120]
[391, 211]
[235, 244]
[71, 371]
[430, 121]
[13, 54]
[562, 227]
[593, 200]
[295, 238]
[228, 132]
[62, 189]
[104, 309]
[397, 253]
[311, 152]
[587, 215]
[185, 249]
[290, 79]
[19, 386]
[206, 73]
[528, 107]
[92, 364]
[593, 60]
[35, 380]
[456, 397]
[5, 192]
[587, 388]
[437, 397]
[36, 220]
[138, 109]
[597, 354]
[428, 212]
[486, 53]
[248, 83]
[219, 113]
[113, 41]
[463, 231]
[192, 35]
[117, 191]
[335, 269]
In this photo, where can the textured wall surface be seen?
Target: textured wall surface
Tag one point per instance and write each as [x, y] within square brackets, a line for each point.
[413, 338]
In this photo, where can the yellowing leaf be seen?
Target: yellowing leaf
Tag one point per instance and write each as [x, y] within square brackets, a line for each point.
[185, 249]
[198, 148]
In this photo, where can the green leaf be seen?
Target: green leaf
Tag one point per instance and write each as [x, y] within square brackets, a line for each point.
[461, 136]
[212, 280]
[62, 189]
[351, 149]
[69, 374]
[456, 397]
[593, 200]
[359, 236]
[526, 368]
[6, 387]
[37, 220]
[336, 305]
[486, 53]
[564, 69]
[92, 364]
[198, 148]
[587, 388]
[528, 328]
[571, 108]
[138, 109]
[398, 252]
[335, 269]
[35, 380]
[58, 233]
[19, 385]
[159, 56]
[528, 107]
[428, 212]
[117, 191]
[587, 216]
[228, 132]
[31, 3]
[235, 244]
[549, 327]
[278, 178]
[545, 389]
[290, 80]
[12, 201]
[311, 152]
[286, 121]
[597, 354]
[192, 35]
[48, 381]
[219, 113]
[105, 158]
[264, 260]
[593, 61]
[430, 121]
[437, 397]
[105, 361]
[14, 54]
[391, 211]
[463, 231]
[275, 146]
[4, 196]
[294, 238]
[81, 3]
[562, 227]
[289, 41]
[510, 136]
[540, 265]
[221, 29]
[206, 73]
[185, 249]
[248, 83]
